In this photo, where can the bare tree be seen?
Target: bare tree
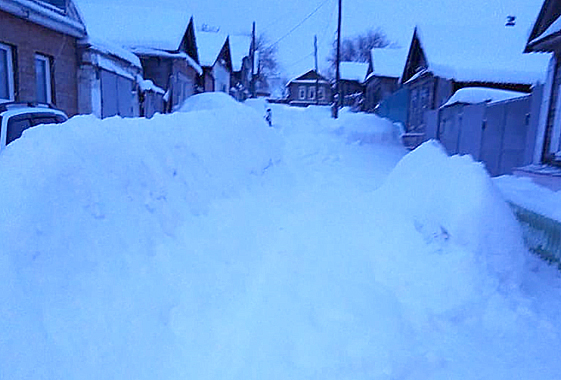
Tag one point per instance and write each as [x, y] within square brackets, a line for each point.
[268, 61]
[357, 48]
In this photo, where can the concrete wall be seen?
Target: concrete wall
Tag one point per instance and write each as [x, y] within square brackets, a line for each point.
[28, 39]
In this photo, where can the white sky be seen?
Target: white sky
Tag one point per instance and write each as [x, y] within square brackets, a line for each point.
[276, 18]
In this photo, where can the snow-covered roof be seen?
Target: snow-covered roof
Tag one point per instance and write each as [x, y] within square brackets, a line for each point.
[39, 12]
[492, 54]
[209, 45]
[555, 27]
[353, 71]
[112, 49]
[154, 26]
[145, 51]
[388, 62]
[475, 95]
[239, 48]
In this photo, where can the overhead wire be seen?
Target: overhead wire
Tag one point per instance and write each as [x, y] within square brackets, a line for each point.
[300, 23]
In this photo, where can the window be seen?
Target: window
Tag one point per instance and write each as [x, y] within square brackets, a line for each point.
[312, 93]
[43, 79]
[302, 92]
[16, 126]
[6, 73]
[321, 93]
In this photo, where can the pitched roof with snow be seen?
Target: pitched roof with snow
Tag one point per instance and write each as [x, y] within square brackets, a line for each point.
[146, 26]
[477, 54]
[355, 71]
[209, 45]
[239, 48]
[112, 49]
[388, 62]
[67, 20]
[475, 95]
[150, 52]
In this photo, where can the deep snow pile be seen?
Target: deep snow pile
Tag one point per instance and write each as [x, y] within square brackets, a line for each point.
[206, 245]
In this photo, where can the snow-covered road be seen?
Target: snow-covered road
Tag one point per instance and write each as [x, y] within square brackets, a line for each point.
[206, 245]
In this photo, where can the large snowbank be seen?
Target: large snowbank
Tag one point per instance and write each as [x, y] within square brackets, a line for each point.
[206, 245]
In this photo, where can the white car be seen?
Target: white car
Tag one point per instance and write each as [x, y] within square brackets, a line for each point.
[16, 117]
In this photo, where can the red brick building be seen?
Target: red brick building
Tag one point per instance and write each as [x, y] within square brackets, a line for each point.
[38, 52]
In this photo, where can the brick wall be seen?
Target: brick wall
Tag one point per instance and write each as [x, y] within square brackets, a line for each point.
[28, 39]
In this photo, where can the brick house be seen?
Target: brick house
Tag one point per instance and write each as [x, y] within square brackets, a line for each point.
[302, 90]
[38, 52]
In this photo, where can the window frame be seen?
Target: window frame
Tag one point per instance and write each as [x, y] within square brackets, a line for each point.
[10, 72]
[312, 92]
[48, 74]
[302, 92]
[321, 93]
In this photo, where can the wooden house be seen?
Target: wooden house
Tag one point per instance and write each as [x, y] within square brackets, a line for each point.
[302, 90]
[240, 81]
[212, 51]
[545, 37]
[352, 81]
[443, 59]
[383, 78]
[38, 52]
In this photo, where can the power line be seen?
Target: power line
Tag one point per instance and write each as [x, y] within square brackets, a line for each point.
[300, 23]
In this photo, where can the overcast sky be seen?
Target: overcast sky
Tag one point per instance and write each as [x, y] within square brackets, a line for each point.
[396, 18]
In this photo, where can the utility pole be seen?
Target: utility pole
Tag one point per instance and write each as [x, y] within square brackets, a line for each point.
[337, 98]
[317, 71]
[252, 58]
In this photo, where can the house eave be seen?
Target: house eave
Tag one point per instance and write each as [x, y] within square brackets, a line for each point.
[548, 44]
[33, 12]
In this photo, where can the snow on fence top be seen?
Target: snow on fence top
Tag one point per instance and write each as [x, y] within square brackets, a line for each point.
[474, 95]
[477, 54]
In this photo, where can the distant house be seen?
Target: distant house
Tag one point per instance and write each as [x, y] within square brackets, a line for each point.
[240, 47]
[441, 60]
[309, 89]
[212, 51]
[108, 80]
[546, 37]
[383, 79]
[352, 81]
[38, 52]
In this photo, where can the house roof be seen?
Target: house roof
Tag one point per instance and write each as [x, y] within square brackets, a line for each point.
[146, 26]
[68, 21]
[309, 76]
[543, 26]
[355, 71]
[475, 95]
[491, 54]
[546, 27]
[112, 49]
[150, 52]
[388, 62]
[239, 48]
[209, 46]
